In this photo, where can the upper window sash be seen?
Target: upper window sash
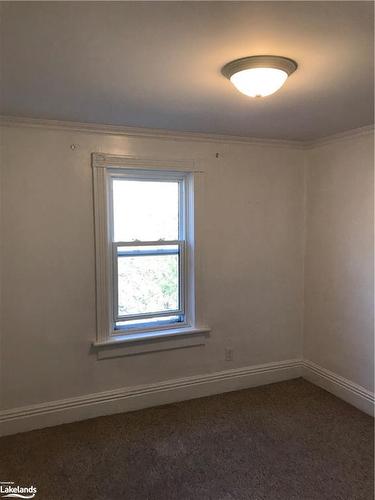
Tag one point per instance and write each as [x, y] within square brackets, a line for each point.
[149, 176]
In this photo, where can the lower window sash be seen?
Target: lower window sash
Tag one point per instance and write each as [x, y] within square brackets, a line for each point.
[138, 250]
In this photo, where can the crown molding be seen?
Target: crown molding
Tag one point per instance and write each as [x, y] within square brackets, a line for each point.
[151, 133]
[347, 134]
[16, 121]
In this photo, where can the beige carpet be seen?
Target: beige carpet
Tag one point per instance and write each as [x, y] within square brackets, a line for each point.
[283, 441]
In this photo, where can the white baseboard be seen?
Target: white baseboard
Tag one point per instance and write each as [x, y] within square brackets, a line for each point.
[134, 398]
[341, 387]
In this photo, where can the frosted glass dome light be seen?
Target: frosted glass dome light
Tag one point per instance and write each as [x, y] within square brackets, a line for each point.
[259, 76]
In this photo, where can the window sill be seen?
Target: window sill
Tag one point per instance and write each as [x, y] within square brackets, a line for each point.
[162, 340]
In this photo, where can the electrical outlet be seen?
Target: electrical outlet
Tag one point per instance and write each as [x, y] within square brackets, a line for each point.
[228, 354]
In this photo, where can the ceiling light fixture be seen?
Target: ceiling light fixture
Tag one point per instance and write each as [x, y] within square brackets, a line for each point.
[259, 76]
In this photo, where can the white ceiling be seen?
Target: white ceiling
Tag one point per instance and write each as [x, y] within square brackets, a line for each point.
[157, 64]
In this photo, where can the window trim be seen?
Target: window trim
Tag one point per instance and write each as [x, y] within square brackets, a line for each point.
[104, 168]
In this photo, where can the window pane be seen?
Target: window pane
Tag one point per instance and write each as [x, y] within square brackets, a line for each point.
[148, 283]
[145, 210]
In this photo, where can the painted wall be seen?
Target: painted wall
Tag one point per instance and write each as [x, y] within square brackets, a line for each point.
[250, 215]
[339, 288]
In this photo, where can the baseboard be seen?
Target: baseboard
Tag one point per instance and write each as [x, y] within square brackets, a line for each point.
[341, 387]
[134, 398]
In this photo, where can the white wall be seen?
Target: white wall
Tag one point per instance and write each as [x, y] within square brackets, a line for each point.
[250, 280]
[339, 287]
[250, 226]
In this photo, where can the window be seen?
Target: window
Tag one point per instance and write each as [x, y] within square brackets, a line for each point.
[144, 248]
[148, 238]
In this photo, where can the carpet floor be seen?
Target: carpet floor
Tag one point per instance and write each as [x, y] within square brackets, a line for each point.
[285, 441]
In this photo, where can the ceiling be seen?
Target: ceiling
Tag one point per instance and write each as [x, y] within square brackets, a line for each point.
[157, 64]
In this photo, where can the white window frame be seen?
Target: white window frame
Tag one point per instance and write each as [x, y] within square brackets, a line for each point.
[151, 175]
[105, 168]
